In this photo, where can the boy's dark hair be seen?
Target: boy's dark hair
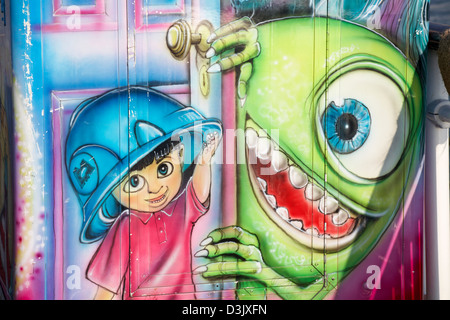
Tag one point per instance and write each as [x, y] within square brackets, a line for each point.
[163, 150]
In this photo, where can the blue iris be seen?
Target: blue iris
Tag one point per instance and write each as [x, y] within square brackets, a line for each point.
[346, 127]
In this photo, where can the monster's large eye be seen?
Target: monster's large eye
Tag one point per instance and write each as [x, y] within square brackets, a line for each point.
[365, 120]
[346, 127]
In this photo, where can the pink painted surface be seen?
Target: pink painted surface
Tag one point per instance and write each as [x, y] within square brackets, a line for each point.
[60, 9]
[398, 255]
[179, 8]
[91, 18]
[229, 169]
[60, 113]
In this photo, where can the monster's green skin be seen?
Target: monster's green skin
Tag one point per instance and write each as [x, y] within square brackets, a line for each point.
[291, 73]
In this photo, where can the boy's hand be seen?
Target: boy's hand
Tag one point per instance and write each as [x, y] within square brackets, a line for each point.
[209, 148]
[201, 179]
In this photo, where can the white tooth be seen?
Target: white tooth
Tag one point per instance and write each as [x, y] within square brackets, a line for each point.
[272, 200]
[328, 205]
[313, 192]
[283, 212]
[264, 148]
[297, 177]
[312, 231]
[263, 184]
[297, 223]
[340, 217]
[275, 146]
[251, 136]
[279, 161]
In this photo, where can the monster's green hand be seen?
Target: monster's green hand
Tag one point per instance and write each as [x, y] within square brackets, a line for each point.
[234, 242]
[239, 33]
[231, 241]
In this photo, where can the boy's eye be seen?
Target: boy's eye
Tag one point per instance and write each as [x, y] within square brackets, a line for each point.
[164, 169]
[134, 184]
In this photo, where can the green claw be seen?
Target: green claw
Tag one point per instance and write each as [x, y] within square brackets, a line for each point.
[241, 24]
[230, 268]
[230, 233]
[247, 252]
[244, 77]
[235, 34]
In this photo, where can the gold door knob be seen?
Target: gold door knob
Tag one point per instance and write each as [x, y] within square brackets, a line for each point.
[179, 38]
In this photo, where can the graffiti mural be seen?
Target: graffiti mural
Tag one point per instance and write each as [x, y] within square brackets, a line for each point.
[206, 149]
[7, 243]
[140, 193]
[6, 210]
[315, 201]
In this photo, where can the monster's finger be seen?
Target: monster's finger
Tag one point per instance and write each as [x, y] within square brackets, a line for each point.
[230, 248]
[250, 52]
[241, 24]
[233, 40]
[231, 233]
[229, 268]
[245, 74]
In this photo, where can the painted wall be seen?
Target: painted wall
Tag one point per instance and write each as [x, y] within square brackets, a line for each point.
[7, 243]
[259, 149]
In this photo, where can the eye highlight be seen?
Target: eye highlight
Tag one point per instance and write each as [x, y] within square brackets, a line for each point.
[346, 127]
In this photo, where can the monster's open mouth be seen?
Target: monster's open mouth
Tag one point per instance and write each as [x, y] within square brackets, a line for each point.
[294, 201]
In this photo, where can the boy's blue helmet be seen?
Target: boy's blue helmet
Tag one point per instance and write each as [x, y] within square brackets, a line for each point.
[112, 132]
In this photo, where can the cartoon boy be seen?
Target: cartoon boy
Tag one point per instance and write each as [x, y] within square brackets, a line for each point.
[142, 172]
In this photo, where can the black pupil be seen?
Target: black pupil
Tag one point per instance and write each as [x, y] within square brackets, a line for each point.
[346, 126]
[134, 181]
[163, 168]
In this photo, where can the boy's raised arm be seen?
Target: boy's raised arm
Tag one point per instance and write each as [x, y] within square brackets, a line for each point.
[201, 179]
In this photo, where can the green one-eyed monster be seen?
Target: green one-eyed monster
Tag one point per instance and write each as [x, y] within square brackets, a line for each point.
[332, 114]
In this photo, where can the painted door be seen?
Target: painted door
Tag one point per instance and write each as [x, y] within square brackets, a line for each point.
[73, 53]
[192, 86]
[323, 189]
[331, 189]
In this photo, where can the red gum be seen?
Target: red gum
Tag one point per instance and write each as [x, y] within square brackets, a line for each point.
[298, 206]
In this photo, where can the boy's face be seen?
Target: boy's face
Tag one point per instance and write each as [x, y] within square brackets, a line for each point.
[154, 187]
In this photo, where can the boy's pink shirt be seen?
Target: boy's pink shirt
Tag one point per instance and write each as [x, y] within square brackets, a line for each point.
[148, 256]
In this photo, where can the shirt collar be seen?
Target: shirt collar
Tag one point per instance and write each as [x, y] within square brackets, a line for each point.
[168, 210]
[146, 216]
